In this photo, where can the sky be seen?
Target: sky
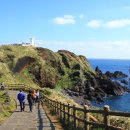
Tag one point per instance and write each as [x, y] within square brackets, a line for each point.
[93, 28]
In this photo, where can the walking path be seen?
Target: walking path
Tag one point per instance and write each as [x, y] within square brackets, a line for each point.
[36, 120]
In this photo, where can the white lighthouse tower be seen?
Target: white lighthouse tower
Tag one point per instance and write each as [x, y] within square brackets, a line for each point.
[32, 41]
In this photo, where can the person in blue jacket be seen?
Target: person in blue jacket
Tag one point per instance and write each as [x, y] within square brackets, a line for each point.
[21, 98]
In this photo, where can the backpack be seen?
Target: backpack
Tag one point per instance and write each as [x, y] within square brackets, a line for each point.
[34, 95]
[30, 97]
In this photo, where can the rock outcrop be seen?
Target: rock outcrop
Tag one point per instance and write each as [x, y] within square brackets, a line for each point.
[96, 87]
[116, 74]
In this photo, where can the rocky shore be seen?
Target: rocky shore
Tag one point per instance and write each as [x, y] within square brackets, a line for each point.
[96, 88]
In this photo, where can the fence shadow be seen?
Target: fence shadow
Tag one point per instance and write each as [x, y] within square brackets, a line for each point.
[42, 122]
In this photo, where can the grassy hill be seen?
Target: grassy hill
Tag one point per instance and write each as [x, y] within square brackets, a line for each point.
[39, 66]
[9, 56]
[62, 70]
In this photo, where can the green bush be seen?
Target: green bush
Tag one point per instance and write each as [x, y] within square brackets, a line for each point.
[47, 92]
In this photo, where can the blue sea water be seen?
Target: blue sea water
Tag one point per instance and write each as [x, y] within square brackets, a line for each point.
[120, 103]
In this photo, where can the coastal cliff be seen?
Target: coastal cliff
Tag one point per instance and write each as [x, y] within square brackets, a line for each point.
[62, 70]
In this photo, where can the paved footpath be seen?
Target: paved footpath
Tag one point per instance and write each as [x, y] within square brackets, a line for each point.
[35, 120]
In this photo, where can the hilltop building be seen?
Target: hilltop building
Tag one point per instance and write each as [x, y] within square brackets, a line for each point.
[30, 43]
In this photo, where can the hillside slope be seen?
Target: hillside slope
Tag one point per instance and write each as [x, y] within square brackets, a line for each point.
[61, 70]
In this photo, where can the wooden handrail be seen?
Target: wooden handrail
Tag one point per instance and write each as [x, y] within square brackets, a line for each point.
[64, 112]
[69, 112]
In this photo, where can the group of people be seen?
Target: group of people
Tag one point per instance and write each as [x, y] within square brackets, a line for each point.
[33, 97]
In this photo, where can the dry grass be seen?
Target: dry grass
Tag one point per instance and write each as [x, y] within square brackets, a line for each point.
[58, 96]
[122, 122]
[6, 109]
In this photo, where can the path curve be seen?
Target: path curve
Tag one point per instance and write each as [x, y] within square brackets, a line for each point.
[35, 120]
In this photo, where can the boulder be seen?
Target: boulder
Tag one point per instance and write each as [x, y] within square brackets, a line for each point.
[76, 88]
[124, 81]
[116, 74]
[119, 74]
[76, 67]
[75, 74]
[76, 94]
[109, 74]
[85, 97]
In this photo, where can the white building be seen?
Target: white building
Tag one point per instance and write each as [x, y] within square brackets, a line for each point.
[30, 43]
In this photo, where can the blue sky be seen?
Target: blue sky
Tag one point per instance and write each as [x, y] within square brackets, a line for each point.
[94, 28]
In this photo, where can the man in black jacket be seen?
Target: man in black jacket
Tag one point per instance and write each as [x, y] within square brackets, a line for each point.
[30, 100]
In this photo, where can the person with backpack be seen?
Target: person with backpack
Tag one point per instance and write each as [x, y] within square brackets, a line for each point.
[21, 98]
[30, 99]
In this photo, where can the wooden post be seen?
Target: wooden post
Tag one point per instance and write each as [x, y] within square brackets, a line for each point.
[60, 110]
[86, 118]
[53, 105]
[75, 115]
[106, 117]
[69, 112]
[64, 111]
[56, 106]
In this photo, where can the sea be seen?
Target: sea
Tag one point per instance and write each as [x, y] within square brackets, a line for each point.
[117, 103]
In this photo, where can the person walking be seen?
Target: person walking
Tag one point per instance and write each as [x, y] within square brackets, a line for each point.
[38, 98]
[30, 100]
[21, 98]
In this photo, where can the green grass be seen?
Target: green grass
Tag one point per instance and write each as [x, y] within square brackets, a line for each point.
[98, 129]
[9, 55]
[6, 109]
[54, 94]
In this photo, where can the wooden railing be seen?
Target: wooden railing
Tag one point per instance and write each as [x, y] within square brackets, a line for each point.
[18, 87]
[69, 113]
[24, 87]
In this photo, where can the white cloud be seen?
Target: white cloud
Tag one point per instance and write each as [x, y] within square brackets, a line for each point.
[81, 16]
[117, 23]
[92, 49]
[66, 19]
[109, 24]
[94, 23]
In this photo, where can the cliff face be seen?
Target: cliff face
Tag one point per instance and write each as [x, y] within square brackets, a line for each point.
[62, 70]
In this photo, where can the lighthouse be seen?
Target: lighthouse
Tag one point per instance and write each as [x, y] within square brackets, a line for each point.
[32, 41]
